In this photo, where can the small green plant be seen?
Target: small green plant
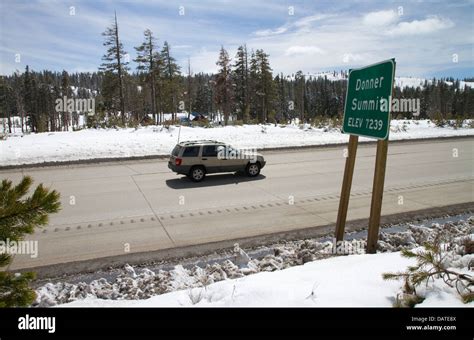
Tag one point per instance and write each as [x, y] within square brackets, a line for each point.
[430, 265]
[439, 120]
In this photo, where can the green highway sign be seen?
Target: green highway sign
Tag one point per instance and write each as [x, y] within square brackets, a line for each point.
[368, 100]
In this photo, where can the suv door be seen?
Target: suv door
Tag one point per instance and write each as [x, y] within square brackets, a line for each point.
[191, 156]
[232, 160]
[209, 158]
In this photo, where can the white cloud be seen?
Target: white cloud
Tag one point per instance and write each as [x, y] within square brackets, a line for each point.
[354, 58]
[268, 32]
[429, 25]
[308, 20]
[297, 50]
[303, 23]
[380, 18]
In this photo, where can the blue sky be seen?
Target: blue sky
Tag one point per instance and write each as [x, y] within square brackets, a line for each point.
[425, 37]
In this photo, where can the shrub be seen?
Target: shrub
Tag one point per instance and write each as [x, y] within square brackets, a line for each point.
[431, 264]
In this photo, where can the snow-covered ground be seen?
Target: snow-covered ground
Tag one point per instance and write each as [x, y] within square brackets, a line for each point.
[153, 140]
[349, 281]
[305, 273]
[334, 282]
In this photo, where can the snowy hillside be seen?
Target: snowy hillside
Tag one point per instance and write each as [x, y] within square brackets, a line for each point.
[420, 82]
[401, 82]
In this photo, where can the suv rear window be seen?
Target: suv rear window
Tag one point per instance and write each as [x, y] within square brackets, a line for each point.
[191, 151]
[175, 151]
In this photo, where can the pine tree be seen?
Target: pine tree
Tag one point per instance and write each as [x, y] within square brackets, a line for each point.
[149, 61]
[261, 73]
[6, 95]
[109, 92]
[224, 84]
[114, 60]
[300, 91]
[28, 98]
[189, 90]
[20, 216]
[253, 86]
[203, 102]
[65, 92]
[169, 86]
[241, 79]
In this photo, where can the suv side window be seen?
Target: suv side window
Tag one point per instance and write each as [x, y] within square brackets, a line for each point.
[191, 151]
[209, 151]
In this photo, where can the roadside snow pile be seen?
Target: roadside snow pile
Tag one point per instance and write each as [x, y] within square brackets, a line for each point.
[158, 140]
[138, 284]
[416, 236]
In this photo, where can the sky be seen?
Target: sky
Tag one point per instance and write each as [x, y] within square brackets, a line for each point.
[427, 38]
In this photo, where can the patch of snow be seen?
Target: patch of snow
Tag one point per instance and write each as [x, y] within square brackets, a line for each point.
[158, 140]
[299, 273]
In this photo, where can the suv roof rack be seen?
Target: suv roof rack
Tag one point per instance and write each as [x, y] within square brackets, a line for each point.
[201, 141]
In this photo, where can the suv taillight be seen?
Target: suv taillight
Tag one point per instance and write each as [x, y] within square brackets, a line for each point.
[178, 161]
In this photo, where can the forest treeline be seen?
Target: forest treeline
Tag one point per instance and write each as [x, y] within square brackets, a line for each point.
[244, 88]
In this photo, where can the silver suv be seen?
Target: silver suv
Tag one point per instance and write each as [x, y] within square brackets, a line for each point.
[195, 159]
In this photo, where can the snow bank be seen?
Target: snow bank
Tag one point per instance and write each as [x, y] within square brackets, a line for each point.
[295, 273]
[152, 141]
[335, 282]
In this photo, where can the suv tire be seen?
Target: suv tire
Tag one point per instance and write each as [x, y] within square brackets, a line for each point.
[253, 169]
[197, 173]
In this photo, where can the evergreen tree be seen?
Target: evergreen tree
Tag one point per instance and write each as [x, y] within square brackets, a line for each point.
[189, 90]
[203, 88]
[66, 91]
[28, 99]
[149, 61]
[263, 83]
[109, 92]
[241, 79]
[20, 216]
[224, 84]
[6, 95]
[114, 60]
[169, 85]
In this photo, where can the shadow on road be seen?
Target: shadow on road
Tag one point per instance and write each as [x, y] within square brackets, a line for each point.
[211, 180]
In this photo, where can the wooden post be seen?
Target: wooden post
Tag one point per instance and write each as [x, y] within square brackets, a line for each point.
[346, 187]
[377, 195]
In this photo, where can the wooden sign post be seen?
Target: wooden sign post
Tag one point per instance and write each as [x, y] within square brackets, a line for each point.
[377, 195]
[365, 114]
[346, 187]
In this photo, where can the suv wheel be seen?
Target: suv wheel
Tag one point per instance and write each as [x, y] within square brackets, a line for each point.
[253, 169]
[197, 173]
